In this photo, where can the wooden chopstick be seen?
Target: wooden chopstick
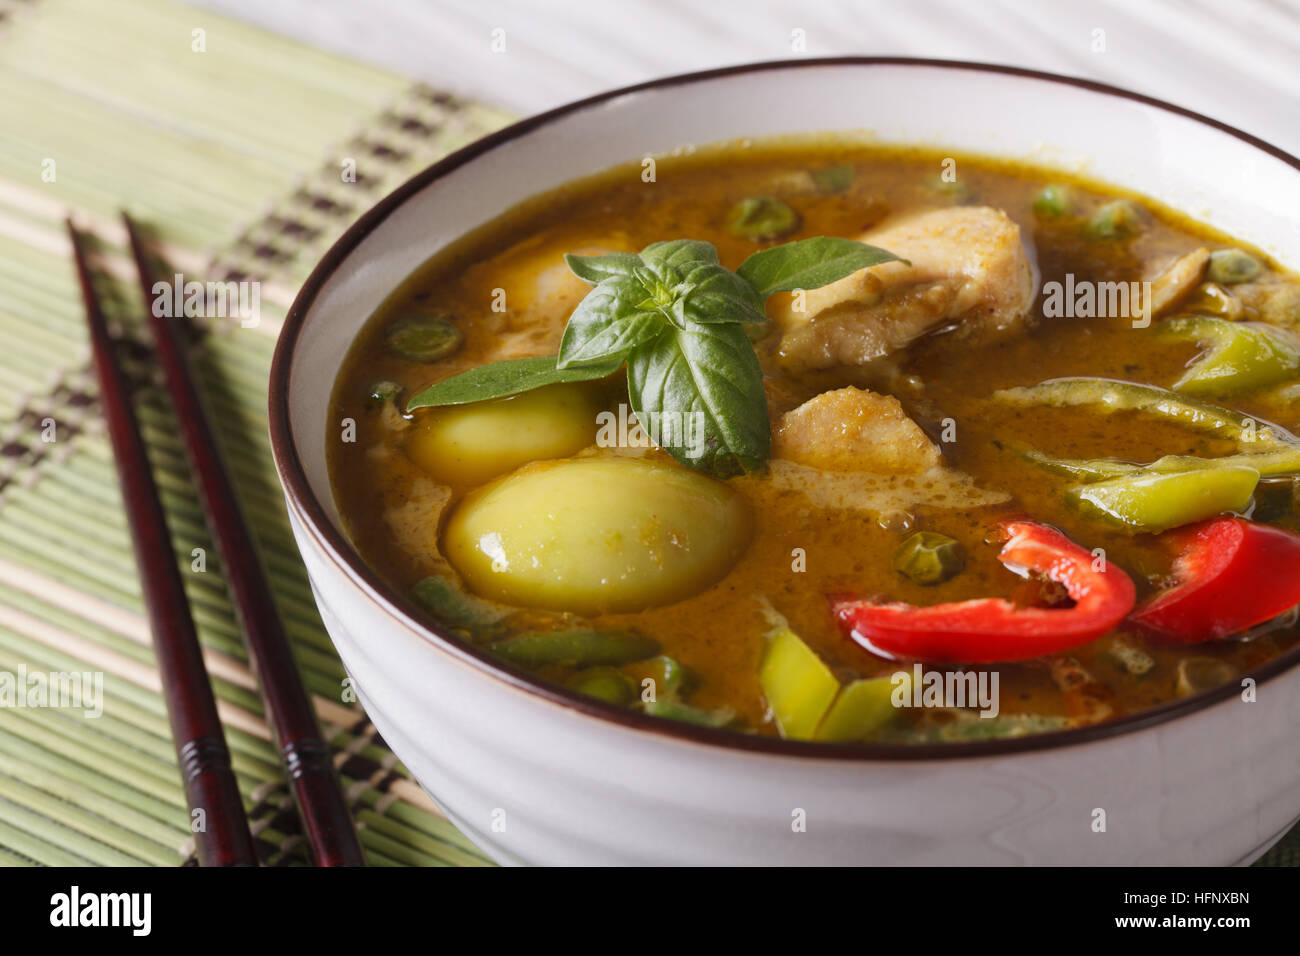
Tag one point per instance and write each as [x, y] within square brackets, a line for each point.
[221, 834]
[326, 823]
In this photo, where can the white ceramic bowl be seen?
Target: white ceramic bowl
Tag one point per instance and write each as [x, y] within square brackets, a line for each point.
[537, 774]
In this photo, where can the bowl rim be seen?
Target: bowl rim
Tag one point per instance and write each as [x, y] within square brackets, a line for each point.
[315, 522]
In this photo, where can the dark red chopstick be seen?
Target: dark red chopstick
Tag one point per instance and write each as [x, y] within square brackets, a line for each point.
[322, 809]
[223, 838]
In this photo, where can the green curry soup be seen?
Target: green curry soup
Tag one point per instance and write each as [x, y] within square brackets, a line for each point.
[890, 484]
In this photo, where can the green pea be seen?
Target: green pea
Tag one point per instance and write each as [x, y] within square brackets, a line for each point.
[952, 190]
[1054, 201]
[928, 557]
[1120, 219]
[381, 392]
[423, 338]
[833, 179]
[577, 648]
[1230, 266]
[761, 219]
[605, 684]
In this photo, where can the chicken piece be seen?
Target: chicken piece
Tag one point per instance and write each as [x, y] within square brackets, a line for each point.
[1177, 281]
[850, 429]
[1278, 303]
[968, 266]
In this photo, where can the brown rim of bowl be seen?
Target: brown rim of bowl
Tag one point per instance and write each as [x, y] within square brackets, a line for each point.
[341, 551]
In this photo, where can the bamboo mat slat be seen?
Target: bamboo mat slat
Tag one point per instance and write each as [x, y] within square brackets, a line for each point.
[232, 155]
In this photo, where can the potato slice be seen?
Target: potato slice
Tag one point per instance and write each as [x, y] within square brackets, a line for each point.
[470, 444]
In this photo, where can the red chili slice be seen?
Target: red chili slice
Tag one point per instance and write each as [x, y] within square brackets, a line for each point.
[1232, 574]
[993, 629]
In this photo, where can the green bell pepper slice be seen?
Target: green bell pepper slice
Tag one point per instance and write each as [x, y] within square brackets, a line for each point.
[798, 685]
[807, 700]
[1113, 395]
[1239, 357]
[1269, 464]
[1151, 501]
[862, 708]
[1082, 469]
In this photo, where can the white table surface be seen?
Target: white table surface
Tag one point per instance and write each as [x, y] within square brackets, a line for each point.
[1235, 60]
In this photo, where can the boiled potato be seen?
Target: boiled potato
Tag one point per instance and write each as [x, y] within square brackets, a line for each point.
[468, 444]
[537, 280]
[597, 534]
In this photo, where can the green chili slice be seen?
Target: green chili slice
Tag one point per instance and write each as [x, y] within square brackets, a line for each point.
[1155, 501]
[1113, 395]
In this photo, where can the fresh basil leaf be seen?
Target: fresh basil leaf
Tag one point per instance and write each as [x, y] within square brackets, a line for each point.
[716, 294]
[595, 268]
[609, 323]
[510, 377]
[701, 391]
[668, 260]
[809, 264]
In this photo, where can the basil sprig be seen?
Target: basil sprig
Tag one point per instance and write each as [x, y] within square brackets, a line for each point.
[509, 377]
[809, 264]
[677, 318]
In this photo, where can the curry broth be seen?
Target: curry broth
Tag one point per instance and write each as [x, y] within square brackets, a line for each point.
[718, 634]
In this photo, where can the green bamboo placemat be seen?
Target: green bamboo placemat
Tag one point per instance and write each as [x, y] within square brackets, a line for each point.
[230, 143]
